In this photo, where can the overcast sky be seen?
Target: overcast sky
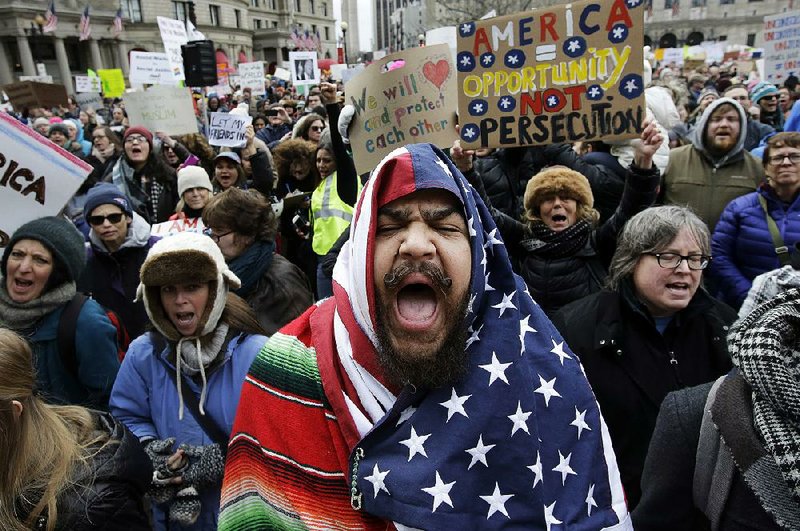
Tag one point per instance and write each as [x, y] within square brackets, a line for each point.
[364, 22]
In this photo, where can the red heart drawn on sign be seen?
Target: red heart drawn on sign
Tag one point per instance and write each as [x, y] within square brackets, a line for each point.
[436, 73]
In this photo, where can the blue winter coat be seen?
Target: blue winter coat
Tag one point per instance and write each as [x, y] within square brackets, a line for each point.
[145, 399]
[742, 246]
[96, 353]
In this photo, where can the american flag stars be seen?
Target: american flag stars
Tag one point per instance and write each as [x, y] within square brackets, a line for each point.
[377, 478]
[520, 420]
[547, 389]
[478, 452]
[496, 370]
[440, 492]
[497, 501]
[455, 405]
[415, 444]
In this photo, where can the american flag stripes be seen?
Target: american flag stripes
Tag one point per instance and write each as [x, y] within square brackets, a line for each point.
[85, 24]
[117, 23]
[50, 17]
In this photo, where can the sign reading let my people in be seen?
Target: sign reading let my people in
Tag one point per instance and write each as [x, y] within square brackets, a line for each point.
[560, 74]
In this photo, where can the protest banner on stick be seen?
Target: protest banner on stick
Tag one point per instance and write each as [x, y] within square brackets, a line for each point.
[564, 73]
[251, 75]
[38, 177]
[151, 68]
[304, 68]
[166, 109]
[412, 102]
[228, 130]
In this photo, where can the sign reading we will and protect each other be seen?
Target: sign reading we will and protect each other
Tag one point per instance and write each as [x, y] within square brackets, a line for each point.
[165, 109]
[228, 130]
[781, 46]
[37, 177]
[566, 73]
[404, 98]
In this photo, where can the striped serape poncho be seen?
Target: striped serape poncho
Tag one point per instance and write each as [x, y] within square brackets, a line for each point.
[323, 441]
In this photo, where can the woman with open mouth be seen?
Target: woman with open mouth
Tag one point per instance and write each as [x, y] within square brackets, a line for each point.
[179, 385]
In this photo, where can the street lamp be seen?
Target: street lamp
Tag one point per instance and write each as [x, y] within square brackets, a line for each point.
[344, 27]
[37, 26]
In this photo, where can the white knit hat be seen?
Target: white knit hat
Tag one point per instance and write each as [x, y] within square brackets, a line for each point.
[193, 177]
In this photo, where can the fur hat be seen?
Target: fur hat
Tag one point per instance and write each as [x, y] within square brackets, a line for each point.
[59, 236]
[556, 180]
[185, 257]
[193, 177]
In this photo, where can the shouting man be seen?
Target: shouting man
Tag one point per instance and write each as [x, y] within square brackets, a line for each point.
[429, 392]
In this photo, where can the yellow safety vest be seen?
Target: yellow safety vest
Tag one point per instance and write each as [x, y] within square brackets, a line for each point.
[332, 216]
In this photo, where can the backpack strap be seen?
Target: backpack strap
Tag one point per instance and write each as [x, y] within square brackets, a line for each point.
[67, 326]
[780, 247]
[714, 466]
[206, 422]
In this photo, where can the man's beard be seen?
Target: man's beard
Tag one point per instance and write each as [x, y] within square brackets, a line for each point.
[449, 363]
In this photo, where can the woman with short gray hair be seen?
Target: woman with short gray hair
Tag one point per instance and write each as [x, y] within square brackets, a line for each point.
[652, 330]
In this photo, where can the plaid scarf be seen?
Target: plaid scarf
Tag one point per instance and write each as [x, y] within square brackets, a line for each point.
[765, 346]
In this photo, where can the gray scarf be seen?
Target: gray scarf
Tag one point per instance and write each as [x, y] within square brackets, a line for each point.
[192, 359]
[21, 317]
[765, 345]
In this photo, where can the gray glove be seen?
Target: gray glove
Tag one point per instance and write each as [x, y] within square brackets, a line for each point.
[159, 450]
[206, 465]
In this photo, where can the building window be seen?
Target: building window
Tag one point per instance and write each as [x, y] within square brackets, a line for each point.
[133, 8]
[275, 25]
[238, 15]
[324, 9]
[311, 6]
[258, 23]
[297, 5]
[254, 3]
[668, 3]
[698, 3]
[327, 33]
[724, 2]
[313, 29]
[751, 39]
[181, 10]
[214, 12]
[272, 5]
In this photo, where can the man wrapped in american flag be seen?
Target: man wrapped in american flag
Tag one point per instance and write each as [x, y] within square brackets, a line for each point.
[430, 392]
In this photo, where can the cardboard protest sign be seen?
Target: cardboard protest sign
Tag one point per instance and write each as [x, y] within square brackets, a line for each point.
[33, 94]
[226, 129]
[781, 46]
[411, 103]
[251, 75]
[37, 177]
[304, 68]
[168, 228]
[559, 74]
[87, 84]
[166, 109]
[89, 100]
[113, 82]
[173, 35]
[150, 68]
[694, 64]
[673, 55]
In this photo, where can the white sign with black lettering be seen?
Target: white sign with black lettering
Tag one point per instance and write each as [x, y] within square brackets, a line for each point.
[228, 130]
[252, 76]
[87, 84]
[151, 68]
[173, 35]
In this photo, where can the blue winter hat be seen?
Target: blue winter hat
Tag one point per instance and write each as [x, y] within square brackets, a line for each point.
[762, 89]
[106, 194]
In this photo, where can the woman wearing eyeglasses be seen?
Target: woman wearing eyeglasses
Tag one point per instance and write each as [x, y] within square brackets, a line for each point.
[652, 330]
[144, 176]
[744, 241]
[119, 241]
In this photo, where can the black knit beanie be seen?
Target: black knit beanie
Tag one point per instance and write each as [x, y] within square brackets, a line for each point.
[59, 236]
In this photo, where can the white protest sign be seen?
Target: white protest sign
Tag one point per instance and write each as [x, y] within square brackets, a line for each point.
[173, 35]
[304, 68]
[252, 77]
[781, 46]
[445, 35]
[284, 74]
[166, 109]
[151, 68]
[673, 55]
[38, 79]
[350, 73]
[337, 70]
[89, 100]
[38, 176]
[227, 130]
[168, 228]
[87, 84]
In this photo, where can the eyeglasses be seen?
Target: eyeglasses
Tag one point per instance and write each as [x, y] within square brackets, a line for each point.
[135, 138]
[218, 237]
[777, 160]
[112, 218]
[316, 128]
[696, 262]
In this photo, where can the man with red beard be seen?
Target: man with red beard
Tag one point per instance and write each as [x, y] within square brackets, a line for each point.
[714, 169]
[430, 392]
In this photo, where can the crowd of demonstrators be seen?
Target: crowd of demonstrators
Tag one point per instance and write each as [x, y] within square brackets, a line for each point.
[360, 300]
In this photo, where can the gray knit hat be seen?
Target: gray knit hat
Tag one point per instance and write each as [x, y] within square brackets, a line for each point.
[59, 236]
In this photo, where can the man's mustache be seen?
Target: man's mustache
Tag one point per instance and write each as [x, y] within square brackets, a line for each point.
[393, 278]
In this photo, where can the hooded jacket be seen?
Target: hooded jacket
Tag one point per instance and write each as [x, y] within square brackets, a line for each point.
[112, 277]
[706, 182]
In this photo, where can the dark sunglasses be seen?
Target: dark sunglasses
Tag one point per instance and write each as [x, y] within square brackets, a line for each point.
[769, 98]
[317, 128]
[99, 220]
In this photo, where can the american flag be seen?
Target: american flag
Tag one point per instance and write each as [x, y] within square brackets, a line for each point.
[676, 7]
[519, 441]
[50, 17]
[85, 25]
[118, 23]
[317, 40]
[296, 39]
[308, 41]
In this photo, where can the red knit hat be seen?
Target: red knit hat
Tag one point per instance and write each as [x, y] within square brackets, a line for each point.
[139, 130]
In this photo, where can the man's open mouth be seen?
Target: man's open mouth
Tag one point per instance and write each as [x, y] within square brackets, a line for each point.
[417, 303]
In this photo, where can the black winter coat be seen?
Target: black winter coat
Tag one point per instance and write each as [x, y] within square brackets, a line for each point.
[118, 478]
[631, 366]
[555, 282]
[504, 174]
